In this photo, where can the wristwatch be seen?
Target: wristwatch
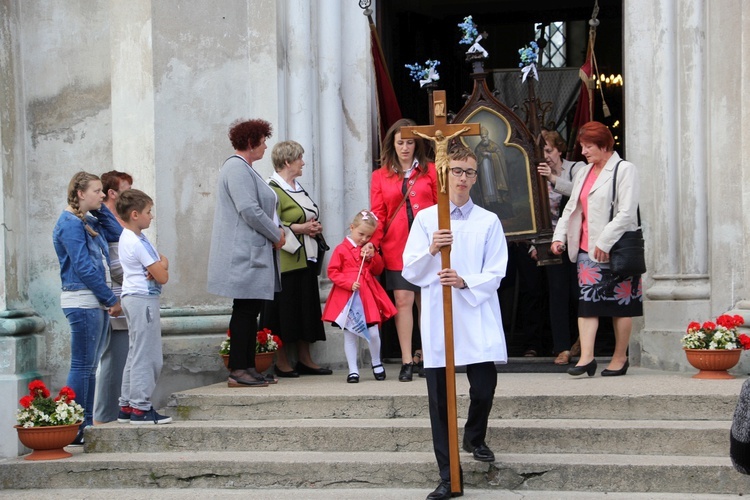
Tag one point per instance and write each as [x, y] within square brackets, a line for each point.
[464, 284]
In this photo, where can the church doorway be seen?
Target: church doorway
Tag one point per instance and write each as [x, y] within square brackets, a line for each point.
[414, 31]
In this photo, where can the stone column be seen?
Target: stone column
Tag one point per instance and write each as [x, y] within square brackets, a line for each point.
[21, 351]
[678, 104]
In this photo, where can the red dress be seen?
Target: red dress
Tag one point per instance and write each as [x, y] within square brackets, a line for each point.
[342, 271]
[386, 195]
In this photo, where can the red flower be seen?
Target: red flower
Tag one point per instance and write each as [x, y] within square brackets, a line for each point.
[738, 320]
[709, 326]
[693, 326]
[26, 401]
[37, 387]
[728, 321]
[66, 394]
[229, 334]
[745, 341]
[262, 336]
[277, 339]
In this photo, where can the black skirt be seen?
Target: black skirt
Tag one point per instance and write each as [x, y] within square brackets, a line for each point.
[394, 280]
[294, 313]
[606, 294]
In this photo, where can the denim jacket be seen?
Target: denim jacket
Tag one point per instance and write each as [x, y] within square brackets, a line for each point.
[80, 255]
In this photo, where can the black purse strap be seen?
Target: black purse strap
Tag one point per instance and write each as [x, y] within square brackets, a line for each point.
[614, 194]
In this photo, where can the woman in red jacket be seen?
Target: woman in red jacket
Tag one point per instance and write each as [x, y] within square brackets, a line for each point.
[404, 184]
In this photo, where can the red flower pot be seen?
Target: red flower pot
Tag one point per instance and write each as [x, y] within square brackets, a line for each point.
[713, 363]
[47, 442]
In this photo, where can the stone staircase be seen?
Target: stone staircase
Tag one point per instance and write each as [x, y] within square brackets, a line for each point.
[648, 433]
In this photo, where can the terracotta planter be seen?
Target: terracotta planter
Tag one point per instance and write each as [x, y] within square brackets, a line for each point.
[47, 442]
[263, 360]
[713, 363]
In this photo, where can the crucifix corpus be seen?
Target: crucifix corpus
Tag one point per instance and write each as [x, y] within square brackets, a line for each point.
[440, 133]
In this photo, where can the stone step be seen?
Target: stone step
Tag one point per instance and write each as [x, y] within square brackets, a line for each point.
[217, 402]
[646, 437]
[364, 470]
[349, 493]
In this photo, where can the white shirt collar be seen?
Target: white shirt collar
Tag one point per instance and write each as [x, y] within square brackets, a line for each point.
[284, 184]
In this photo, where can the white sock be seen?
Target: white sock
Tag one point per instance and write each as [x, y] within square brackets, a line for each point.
[350, 348]
[375, 349]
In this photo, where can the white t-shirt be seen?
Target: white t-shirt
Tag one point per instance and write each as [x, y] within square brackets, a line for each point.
[136, 254]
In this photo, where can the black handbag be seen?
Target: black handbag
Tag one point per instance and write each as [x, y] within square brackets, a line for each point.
[627, 256]
[322, 249]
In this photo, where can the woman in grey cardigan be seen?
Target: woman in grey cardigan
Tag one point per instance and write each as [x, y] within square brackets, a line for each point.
[244, 261]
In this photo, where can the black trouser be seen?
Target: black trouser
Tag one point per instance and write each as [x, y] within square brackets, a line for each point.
[563, 302]
[482, 382]
[531, 290]
[243, 327]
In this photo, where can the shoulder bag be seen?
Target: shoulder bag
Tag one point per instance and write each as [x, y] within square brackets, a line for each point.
[626, 257]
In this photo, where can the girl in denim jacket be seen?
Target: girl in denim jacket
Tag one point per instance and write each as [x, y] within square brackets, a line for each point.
[80, 238]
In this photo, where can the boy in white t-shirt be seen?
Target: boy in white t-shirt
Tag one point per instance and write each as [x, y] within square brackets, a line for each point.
[144, 272]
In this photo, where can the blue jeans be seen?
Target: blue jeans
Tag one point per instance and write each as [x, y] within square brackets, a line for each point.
[88, 333]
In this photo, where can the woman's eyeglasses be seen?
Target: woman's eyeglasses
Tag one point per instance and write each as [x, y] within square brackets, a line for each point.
[458, 172]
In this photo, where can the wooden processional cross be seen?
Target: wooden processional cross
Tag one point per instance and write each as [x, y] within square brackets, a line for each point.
[440, 133]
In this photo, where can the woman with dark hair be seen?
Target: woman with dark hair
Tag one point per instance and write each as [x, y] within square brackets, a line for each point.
[561, 279]
[243, 263]
[586, 227]
[80, 238]
[294, 314]
[404, 185]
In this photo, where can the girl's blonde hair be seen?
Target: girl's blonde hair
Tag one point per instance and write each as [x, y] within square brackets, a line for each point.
[80, 182]
[365, 217]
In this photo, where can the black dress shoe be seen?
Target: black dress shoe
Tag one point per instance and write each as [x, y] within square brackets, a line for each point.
[443, 491]
[481, 453]
[407, 372]
[283, 374]
[589, 369]
[617, 373]
[353, 378]
[378, 375]
[303, 369]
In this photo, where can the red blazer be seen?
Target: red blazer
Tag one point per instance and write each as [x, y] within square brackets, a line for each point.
[385, 196]
[342, 271]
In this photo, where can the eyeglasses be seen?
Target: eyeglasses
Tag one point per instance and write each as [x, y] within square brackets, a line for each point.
[458, 172]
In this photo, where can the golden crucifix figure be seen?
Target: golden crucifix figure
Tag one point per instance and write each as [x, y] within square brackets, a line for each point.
[442, 162]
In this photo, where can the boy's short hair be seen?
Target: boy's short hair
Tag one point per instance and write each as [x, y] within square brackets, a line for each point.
[132, 199]
[461, 153]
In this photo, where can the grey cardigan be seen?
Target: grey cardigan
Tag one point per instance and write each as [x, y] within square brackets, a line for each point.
[242, 263]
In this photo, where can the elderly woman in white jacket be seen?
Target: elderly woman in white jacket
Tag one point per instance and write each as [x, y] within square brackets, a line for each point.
[586, 227]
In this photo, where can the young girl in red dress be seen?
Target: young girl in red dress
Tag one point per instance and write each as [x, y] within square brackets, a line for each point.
[353, 266]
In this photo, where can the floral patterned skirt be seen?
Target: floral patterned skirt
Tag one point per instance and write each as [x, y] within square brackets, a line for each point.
[604, 293]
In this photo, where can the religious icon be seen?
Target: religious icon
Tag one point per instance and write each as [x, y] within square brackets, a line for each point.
[504, 184]
[493, 173]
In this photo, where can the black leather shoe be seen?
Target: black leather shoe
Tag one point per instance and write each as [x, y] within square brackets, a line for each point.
[283, 374]
[589, 369]
[303, 369]
[407, 372]
[378, 375]
[481, 453]
[617, 373]
[352, 378]
[443, 491]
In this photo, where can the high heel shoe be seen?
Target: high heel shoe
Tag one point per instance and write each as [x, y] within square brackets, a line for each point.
[617, 373]
[589, 369]
[406, 373]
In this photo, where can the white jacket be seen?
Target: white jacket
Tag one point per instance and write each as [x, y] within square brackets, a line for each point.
[603, 233]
